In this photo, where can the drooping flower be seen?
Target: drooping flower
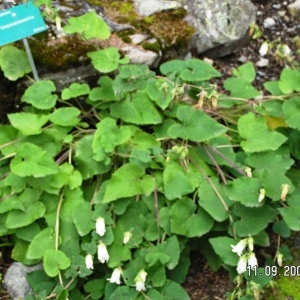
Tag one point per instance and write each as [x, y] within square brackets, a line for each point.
[252, 261]
[239, 247]
[116, 276]
[89, 261]
[242, 264]
[127, 237]
[250, 242]
[102, 253]
[140, 280]
[279, 258]
[100, 226]
[284, 190]
[262, 194]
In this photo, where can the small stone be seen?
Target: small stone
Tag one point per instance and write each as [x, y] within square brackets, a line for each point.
[276, 6]
[208, 60]
[242, 59]
[140, 56]
[263, 62]
[138, 38]
[15, 280]
[269, 22]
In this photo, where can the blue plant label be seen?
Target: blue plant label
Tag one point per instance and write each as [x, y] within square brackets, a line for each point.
[19, 22]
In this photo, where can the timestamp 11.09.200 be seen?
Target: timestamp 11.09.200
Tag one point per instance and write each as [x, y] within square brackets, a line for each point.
[286, 271]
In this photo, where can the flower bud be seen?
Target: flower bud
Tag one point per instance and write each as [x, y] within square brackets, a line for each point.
[127, 237]
[279, 259]
[252, 261]
[284, 191]
[262, 194]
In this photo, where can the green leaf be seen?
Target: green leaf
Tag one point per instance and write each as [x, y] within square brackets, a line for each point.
[273, 88]
[240, 88]
[259, 218]
[107, 136]
[21, 218]
[85, 163]
[173, 291]
[95, 287]
[14, 62]
[28, 123]
[246, 71]
[66, 176]
[160, 90]
[106, 60]
[210, 201]
[124, 293]
[31, 160]
[289, 80]
[198, 70]
[105, 92]
[174, 66]
[291, 215]
[186, 221]
[245, 190]
[195, 125]
[167, 253]
[75, 90]
[129, 180]
[90, 25]
[118, 254]
[42, 241]
[82, 218]
[258, 136]
[55, 260]
[65, 116]
[40, 95]
[178, 182]
[137, 110]
[291, 110]
[222, 246]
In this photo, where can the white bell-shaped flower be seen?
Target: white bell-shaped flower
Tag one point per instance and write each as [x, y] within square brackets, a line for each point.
[242, 265]
[89, 261]
[239, 247]
[102, 253]
[100, 226]
[252, 261]
[140, 280]
[116, 276]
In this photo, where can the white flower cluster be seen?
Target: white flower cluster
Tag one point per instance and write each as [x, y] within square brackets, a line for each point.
[103, 257]
[247, 258]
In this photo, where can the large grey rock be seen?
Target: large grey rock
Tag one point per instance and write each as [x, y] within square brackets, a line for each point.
[15, 281]
[294, 10]
[221, 26]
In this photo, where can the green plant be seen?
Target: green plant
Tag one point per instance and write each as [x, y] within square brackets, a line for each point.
[143, 168]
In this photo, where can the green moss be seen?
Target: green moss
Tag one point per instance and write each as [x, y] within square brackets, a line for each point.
[285, 287]
[155, 47]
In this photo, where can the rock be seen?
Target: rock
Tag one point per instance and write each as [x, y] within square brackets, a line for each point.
[149, 7]
[138, 38]
[15, 281]
[220, 25]
[269, 22]
[140, 56]
[263, 62]
[294, 10]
